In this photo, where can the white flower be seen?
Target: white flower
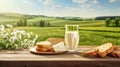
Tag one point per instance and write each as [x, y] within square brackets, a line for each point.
[19, 36]
[2, 28]
[28, 35]
[14, 33]
[20, 31]
[16, 45]
[12, 39]
[9, 26]
[1, 33]
[36, 37]
[31, 33]
[34, 40]
[5, 35]
[15, 39]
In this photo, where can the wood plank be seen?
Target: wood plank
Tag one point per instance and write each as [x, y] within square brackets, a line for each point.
[59, 64]
[27, 56]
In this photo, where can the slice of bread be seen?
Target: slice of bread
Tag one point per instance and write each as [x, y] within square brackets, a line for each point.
[44, 44]
[41, 49]
[105, 49]
[115, 53]
[100, 51]
[90, 52]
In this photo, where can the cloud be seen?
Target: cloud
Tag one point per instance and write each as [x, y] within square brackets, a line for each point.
[48, 2]
[51, 3]
[18, 6]
[119, 9]
[95, 2]
[111, 1]
[80, 1]
[86, 3]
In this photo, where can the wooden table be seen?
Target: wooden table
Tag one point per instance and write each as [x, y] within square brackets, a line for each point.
[26, 59]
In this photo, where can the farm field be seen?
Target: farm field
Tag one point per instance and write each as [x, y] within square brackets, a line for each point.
[92, 32]
[88, 35]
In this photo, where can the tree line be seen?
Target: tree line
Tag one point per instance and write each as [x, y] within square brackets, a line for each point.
[24, 22]
[104, 17]
[112, 22]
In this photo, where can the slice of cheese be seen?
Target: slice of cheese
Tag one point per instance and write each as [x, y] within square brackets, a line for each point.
[59, 47]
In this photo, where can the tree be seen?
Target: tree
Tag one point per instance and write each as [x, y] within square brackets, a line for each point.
[49, 24]
[117, 20]
[107, 21]
[22, 22]
[113, 22]
[42, 23]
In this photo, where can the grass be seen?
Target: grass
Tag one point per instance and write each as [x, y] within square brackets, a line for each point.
[91, 32]
[86, 37]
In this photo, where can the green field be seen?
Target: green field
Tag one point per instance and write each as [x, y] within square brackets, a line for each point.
[88, 35]
[92, 32]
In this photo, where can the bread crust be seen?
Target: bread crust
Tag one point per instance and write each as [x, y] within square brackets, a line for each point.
[99, 53]
[115, 53]
[90, 52]
[43, 46]
[103, 54]
[45, 49]
[41, 49]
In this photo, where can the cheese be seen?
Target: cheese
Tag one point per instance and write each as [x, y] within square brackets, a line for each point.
[59, 47]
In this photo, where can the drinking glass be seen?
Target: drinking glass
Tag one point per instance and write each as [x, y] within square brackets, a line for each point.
[71, 37]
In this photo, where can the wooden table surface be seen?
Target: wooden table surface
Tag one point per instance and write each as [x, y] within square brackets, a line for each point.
[20, 57]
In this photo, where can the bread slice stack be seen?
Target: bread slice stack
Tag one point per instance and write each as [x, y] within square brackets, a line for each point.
[44, 46]
[115, 53]
[100, 51]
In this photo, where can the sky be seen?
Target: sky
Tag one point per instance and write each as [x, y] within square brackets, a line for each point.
[75, 8]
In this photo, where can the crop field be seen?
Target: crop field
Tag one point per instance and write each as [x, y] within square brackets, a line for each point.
[92, 32]
[88, 35]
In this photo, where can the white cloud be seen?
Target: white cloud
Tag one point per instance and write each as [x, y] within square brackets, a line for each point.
[18, 6]
[86, 3]
[95, 2]
[51, 3]
[72, 11]
[80, 1]
[119, 9]
[48, 2]
[111, 1]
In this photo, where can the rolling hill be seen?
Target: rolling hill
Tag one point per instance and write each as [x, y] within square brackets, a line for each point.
[33, 20]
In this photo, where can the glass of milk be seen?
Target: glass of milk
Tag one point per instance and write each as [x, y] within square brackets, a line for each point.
[71, 37]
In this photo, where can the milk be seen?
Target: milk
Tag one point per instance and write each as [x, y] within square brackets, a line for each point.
[71, 39]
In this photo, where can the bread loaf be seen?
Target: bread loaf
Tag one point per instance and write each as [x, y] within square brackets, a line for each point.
[115, 53]
[44, 46]
[90, 52]
[105, 49]
[100, 51]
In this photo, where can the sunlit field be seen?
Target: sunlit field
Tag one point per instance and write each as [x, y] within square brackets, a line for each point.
[92, 32]
[88, 35]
